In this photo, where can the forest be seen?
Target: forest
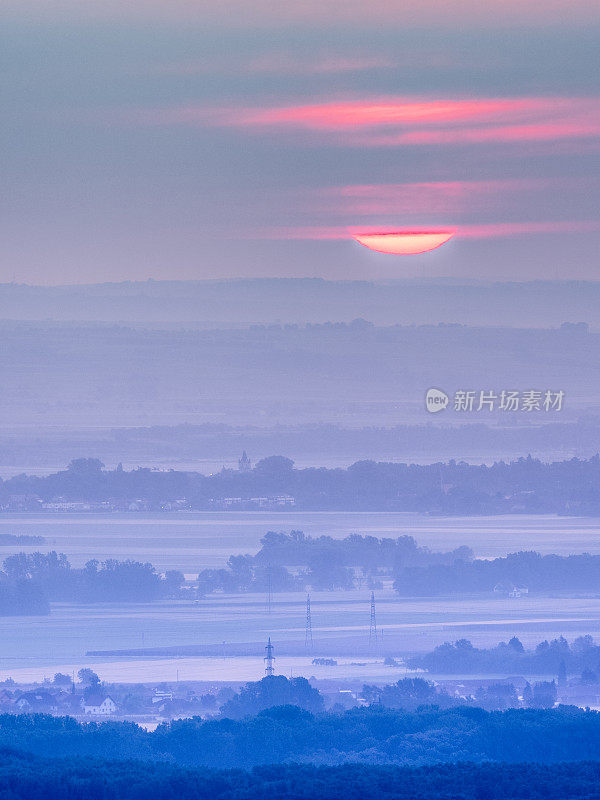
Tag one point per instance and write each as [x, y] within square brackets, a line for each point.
[289, 734]
[23, 777]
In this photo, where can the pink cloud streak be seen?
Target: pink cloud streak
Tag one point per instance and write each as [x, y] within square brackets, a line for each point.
[468, 231]
[431, 197]
[550, 131]
[397, 121]
[372, 114]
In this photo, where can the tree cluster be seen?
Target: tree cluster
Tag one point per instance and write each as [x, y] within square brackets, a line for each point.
[322, 563]
[274, 690]
[582, 656]
[29, 581]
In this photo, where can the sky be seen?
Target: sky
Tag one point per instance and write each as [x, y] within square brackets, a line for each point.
[229, 138]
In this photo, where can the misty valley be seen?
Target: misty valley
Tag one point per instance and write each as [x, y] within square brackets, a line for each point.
[300, 400]
[438, 616]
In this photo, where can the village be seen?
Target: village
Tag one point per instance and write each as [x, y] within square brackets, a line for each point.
[91, 699]
[86, 698]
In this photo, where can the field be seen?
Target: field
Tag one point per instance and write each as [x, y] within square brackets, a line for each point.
[191, 541]
[229, 632]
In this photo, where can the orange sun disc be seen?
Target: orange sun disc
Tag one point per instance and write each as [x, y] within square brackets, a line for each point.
[404, 242]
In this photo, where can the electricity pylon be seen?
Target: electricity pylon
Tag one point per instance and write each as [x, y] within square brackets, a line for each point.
[308, 638]
[373, 625]
[269, 659]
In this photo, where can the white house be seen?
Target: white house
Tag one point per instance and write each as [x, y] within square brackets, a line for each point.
[99, 705]
[161, 696]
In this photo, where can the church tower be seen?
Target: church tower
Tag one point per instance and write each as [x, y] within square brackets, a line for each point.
[244, 463]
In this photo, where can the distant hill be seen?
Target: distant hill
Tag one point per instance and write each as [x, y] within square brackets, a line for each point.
[243, 302]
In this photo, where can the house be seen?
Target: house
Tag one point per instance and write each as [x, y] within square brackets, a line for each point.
[99, 705]
[36, 701]
[161, 696]
[284, 500]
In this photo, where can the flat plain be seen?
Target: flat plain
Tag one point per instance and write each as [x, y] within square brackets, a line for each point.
[232, 629]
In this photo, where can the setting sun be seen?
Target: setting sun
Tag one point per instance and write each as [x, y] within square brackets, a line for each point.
[404, 242]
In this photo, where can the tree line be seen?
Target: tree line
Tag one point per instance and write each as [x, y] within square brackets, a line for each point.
[524, 570]
[582, 656]
[288, 562]
[294, 561]
[407, 694]
[526, 485]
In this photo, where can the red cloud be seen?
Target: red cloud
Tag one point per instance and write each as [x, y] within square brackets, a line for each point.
[373, 114]
[477, 231]
[394, 121]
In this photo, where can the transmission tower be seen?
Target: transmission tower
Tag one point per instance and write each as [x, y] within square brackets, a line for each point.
[269, 659]
[308, 639]
[373, 625]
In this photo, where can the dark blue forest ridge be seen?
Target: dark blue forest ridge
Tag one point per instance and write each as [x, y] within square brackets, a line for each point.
[26, 777]
[286, 734]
